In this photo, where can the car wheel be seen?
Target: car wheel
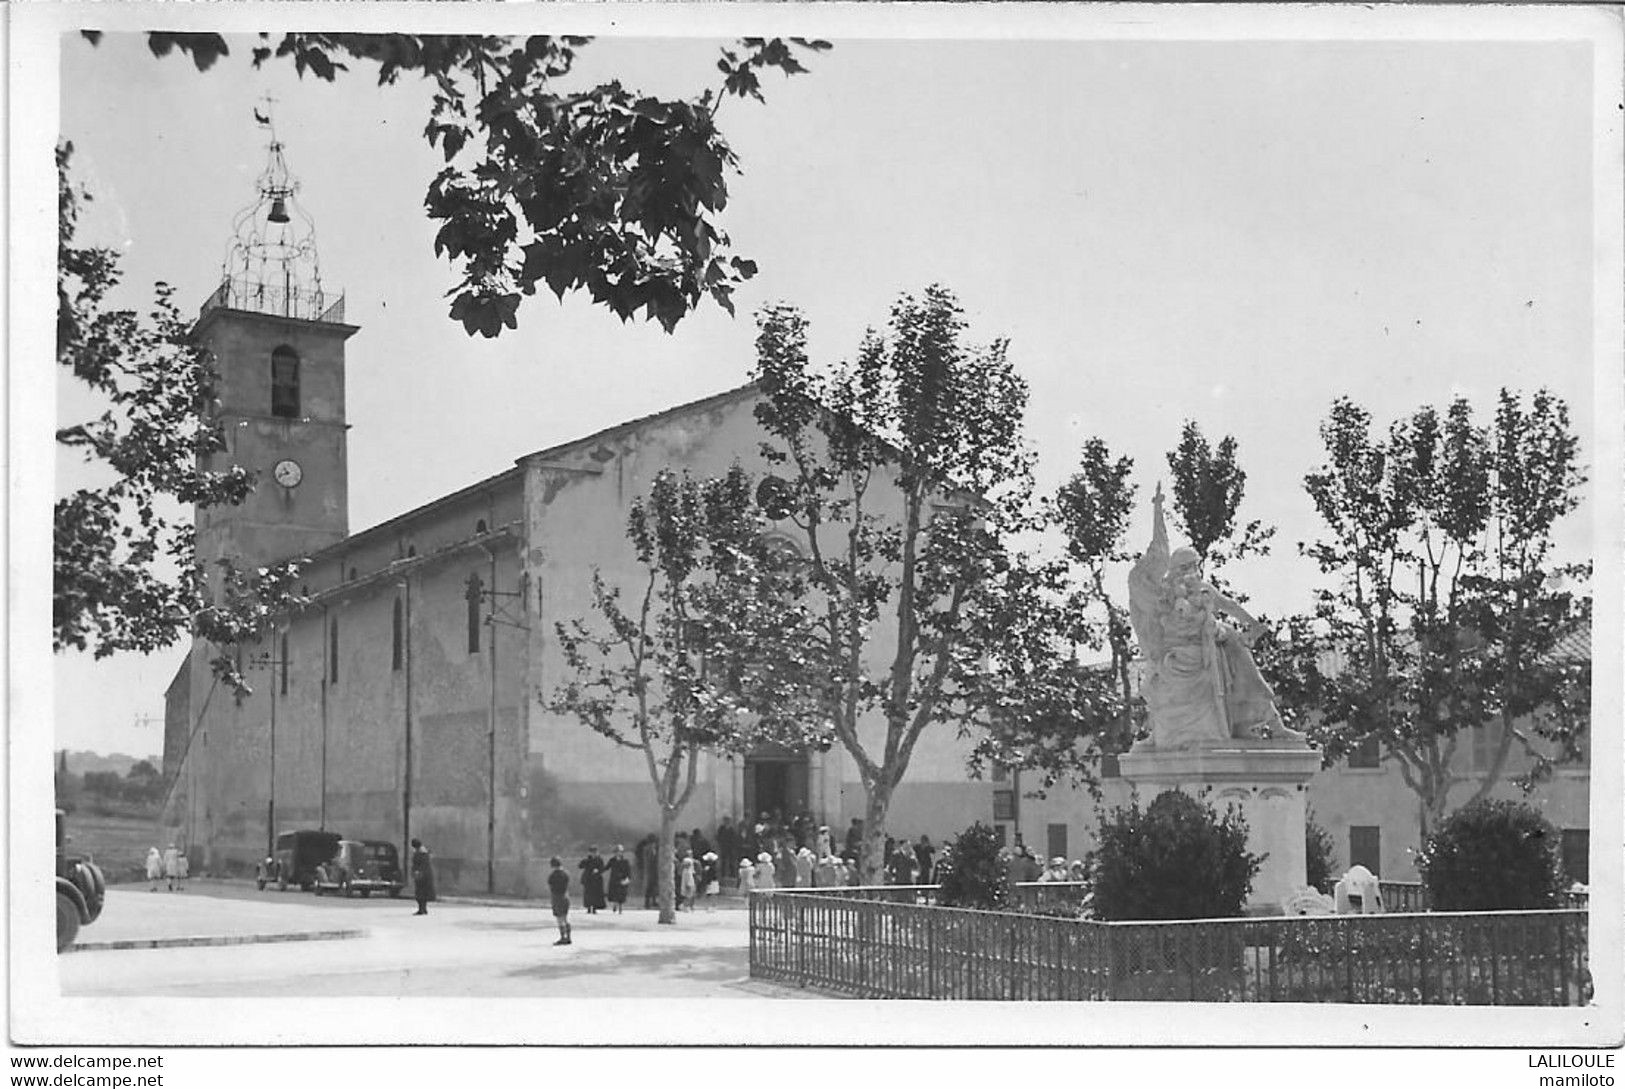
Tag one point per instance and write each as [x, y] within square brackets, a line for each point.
[395, 894]
[67, 921]
[365, 893]
[344, 887]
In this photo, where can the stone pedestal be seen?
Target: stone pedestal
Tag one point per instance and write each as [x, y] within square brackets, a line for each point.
[1265, 779]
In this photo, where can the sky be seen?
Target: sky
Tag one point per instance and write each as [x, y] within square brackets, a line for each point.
[1230, 231]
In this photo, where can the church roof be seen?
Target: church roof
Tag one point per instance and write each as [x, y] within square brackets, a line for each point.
[516, 473]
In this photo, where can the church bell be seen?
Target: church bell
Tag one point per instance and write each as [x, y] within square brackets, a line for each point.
[279, 211]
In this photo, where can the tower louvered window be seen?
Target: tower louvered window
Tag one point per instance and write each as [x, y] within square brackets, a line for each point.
[285, 382]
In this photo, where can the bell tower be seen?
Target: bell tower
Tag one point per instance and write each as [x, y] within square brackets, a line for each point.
[277, 337]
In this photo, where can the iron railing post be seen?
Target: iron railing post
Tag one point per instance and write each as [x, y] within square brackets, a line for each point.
[1495, 957]
[1563, 961]
[931, 952]
[798, 908]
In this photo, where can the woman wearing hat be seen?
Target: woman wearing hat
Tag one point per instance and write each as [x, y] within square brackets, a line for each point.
[710, 878]
[764, 871]
[620, 879]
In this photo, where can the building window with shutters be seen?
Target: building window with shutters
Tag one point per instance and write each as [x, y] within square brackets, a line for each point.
[1365, 847]
[1004, 805]
[285, 383]
[395, 640]
[1056, 840]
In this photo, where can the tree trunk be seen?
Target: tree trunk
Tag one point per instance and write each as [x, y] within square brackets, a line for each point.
[666, 866]
[872, 858]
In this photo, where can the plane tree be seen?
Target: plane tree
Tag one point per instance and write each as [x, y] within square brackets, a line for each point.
[704, 651]
[907, 485]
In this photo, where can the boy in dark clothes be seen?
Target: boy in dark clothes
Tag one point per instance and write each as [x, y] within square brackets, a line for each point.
[558, 884]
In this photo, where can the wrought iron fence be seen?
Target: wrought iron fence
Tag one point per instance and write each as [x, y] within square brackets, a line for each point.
[1412, 896]
[871, 943]
[240, 293]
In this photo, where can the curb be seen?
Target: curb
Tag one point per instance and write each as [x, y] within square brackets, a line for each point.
[224, 939]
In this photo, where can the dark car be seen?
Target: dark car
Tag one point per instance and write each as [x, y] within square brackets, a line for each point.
[295, 859]
[80, 889]
[364, 866]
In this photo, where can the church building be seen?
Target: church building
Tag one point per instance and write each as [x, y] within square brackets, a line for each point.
[409, 699]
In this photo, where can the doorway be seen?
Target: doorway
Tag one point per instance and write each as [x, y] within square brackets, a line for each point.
[776, 783]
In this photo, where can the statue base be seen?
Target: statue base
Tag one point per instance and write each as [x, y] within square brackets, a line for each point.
[1266, 779]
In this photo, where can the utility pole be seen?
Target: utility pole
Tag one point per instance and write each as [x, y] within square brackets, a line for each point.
[271, 663]
[493, 618]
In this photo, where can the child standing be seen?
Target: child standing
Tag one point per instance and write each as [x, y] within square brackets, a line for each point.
[685, 882]
[764, 871]
[747, 876]
[710, 879]
[558, 886]
[155, 867]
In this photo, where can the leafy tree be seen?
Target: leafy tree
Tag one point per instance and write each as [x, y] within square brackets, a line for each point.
[1175, 859]
[602, 190]
[125, 571]
[1208, 489]
[1320, 856]
[66, 782]
[143, 782]
[704, 655]
[1492, 855]
[1093, 509]
[1449, 608]
[908, 479]
[104, 783]
[975, 871]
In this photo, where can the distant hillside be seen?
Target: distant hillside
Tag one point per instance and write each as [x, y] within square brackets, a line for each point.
[119, 763]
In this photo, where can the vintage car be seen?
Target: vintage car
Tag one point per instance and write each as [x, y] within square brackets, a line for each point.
[80, 889]
[361, 866]
[295, 858]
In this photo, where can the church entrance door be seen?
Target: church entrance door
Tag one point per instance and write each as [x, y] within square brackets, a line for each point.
[776, 783]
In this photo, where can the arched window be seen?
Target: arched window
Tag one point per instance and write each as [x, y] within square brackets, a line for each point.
[471, 593]
[395, 639]
[411, 550]
[333, 651]
[285, 382]
[479, 527]
[352, 575]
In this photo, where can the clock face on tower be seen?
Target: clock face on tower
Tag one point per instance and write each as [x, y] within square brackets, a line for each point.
[288, 473]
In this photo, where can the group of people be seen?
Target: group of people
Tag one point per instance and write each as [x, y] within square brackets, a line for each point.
[171, 865]
[604, 882]
[1025, 867]
[769, 853]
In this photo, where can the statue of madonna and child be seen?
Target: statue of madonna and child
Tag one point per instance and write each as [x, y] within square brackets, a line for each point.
[1201, 686]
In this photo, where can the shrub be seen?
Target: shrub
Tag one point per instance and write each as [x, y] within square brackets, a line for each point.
[1320, 856]
[1492, 856]
[974, 872]
[1176, 859]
